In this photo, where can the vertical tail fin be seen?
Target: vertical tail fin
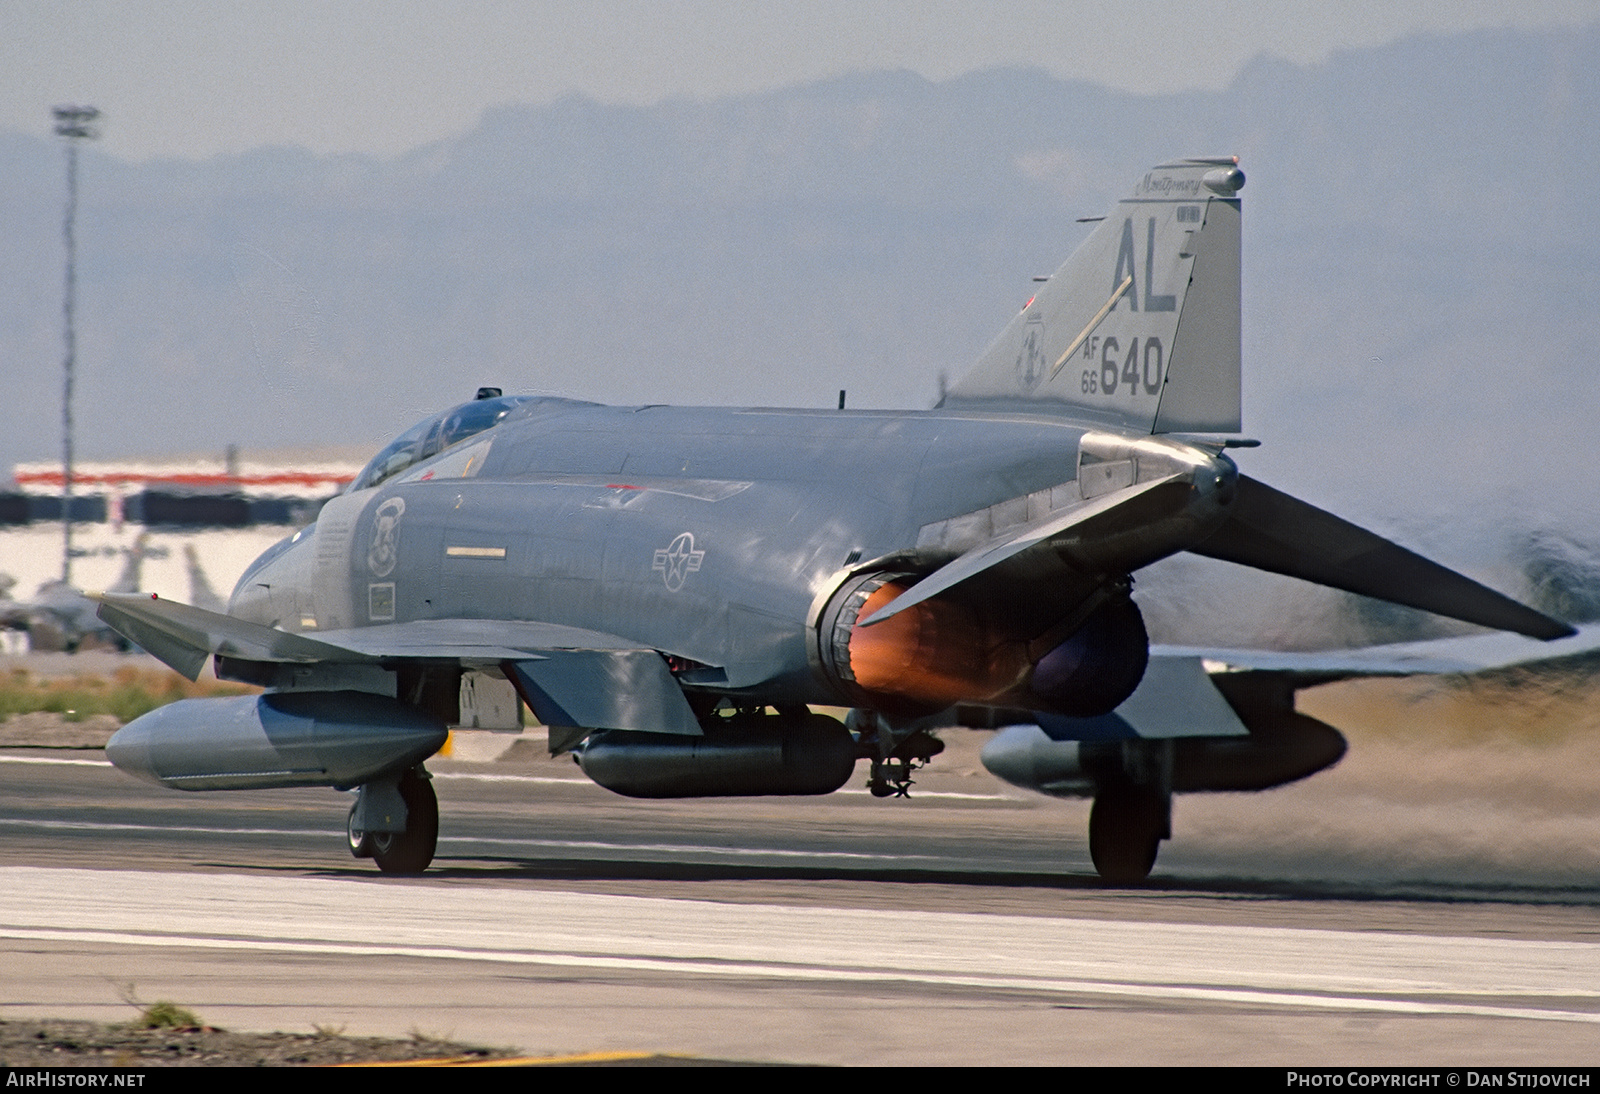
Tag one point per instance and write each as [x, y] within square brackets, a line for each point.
[1139, 329]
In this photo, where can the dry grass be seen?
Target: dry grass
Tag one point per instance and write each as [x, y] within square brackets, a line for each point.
[126, 694]
[1492, 779]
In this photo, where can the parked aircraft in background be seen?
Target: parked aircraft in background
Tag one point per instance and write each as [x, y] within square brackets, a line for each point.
[61, 619]
[672, 590]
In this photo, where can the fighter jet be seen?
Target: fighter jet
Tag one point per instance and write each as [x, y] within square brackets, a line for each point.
[673, 590]
[61, 618]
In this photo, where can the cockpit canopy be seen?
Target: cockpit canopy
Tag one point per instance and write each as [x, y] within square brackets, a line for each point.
[433, 435]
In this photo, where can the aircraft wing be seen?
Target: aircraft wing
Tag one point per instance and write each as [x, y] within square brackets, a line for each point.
[568, 675]
[183, 637]
[471, 639]
[1174, 699]
[1229, 714]
[1178, 696]
[1474, 653]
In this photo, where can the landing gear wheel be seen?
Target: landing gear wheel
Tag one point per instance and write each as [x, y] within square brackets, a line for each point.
[1126, 827]
[409, 852]
[360, 842]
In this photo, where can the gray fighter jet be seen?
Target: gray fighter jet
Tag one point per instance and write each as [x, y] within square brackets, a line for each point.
[672, 590]
[62, 619]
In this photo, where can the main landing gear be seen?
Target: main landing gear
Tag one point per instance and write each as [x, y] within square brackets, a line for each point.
[1126, 827]
[395, 822]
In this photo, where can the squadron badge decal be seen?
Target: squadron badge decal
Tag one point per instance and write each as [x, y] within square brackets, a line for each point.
[1031, 364]
[384, 554]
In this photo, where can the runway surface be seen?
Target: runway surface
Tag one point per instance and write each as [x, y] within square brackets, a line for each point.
[963, 926]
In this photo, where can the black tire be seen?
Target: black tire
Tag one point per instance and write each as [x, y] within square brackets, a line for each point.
[409, 852]
[1126, 827]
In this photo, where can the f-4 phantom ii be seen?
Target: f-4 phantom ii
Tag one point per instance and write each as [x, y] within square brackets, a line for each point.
[672, 590]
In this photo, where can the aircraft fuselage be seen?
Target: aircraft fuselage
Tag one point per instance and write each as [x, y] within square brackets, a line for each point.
[717, 534]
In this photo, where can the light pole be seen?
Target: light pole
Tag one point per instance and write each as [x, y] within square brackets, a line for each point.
[76, 124]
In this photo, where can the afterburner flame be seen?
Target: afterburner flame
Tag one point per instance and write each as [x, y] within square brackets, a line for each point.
[935, 652]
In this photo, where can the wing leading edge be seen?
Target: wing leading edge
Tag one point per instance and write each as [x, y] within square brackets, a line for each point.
[183, 637]
[1436, 656]
[568, 675]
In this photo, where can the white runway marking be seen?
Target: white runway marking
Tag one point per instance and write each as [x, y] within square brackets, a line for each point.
[490, 777]
[684, 848]
[320, 834]
[919, 794]
[494, 777]
[188, 829]
[1253, 966]
[55, 761]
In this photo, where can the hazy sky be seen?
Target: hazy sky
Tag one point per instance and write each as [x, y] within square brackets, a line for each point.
[194, 77]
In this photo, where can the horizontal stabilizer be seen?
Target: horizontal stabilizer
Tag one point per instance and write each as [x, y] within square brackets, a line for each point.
[1270, 530]
[1113, 506]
